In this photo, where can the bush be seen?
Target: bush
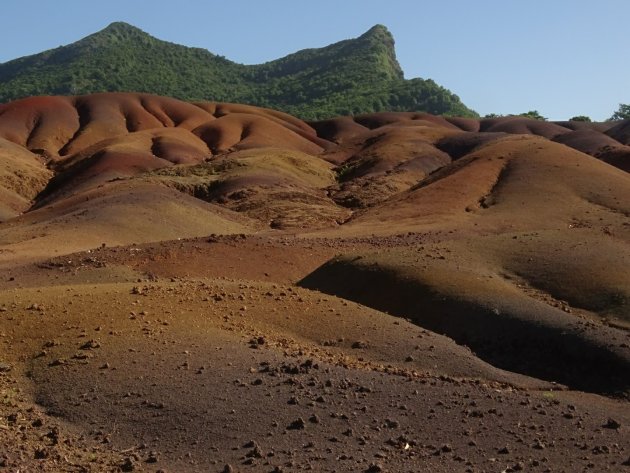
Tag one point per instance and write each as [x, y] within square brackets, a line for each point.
[622, 113]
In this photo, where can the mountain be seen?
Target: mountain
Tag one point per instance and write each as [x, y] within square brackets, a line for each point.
[353, 76]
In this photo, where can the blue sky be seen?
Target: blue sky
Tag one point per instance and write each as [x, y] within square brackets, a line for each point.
[560, 57]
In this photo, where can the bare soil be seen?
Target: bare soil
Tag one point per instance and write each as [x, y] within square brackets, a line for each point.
[219, 287]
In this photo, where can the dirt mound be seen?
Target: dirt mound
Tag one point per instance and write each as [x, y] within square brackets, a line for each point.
[480, 306]
[22, 177]
[212, 286]
[113, 214]
[620, 132]
[524, 126]
[282, 189]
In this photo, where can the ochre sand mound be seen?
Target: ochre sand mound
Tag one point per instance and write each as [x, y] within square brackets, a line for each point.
[189, 286]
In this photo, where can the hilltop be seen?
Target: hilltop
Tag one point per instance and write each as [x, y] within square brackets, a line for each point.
[353, 76]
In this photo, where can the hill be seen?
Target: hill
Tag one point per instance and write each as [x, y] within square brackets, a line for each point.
[353, 76]
[221, 287]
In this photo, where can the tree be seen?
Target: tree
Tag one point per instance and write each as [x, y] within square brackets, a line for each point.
[533, 114]
[623, 113]
[580, 118]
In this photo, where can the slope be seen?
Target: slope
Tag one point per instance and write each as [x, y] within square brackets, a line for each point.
[352, 76]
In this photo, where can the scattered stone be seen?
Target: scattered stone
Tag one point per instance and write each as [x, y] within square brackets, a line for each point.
[255, 452]
[5, 367]
[57, 362]
[601, 450]
[538, 445]
[359, 344]
[392, 424]
[40, 454]
[297, 424]
[128, 464]
[374, 468]
[90, 345]
[504, 450]
[612, 424]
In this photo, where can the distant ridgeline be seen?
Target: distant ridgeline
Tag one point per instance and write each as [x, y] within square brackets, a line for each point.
[353, 76]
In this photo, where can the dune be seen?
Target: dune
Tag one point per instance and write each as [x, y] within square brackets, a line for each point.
[221, 287]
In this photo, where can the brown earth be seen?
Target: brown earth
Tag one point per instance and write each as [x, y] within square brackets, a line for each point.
[220, 287]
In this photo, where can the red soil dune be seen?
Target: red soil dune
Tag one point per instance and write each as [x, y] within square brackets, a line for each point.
[202, 285]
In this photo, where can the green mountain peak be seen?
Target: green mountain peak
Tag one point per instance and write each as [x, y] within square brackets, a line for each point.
[352, 76]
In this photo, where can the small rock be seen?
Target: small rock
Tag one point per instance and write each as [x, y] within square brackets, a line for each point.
[504, 451]
[374, 468]
[255, 452]
[90, 345]
[4, 367]
[297, 424]
[359, 344]
[392, 424]
[128, 464]
[612, 424]
[538, 445]
[40, 454]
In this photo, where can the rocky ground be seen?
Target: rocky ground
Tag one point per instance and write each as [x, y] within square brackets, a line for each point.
[217, 287]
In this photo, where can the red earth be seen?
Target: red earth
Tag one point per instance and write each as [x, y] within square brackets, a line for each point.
[221, 287]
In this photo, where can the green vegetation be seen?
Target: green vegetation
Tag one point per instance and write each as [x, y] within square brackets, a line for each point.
[533, 114]
[349, 77]
[622, 113]
[580, 118]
